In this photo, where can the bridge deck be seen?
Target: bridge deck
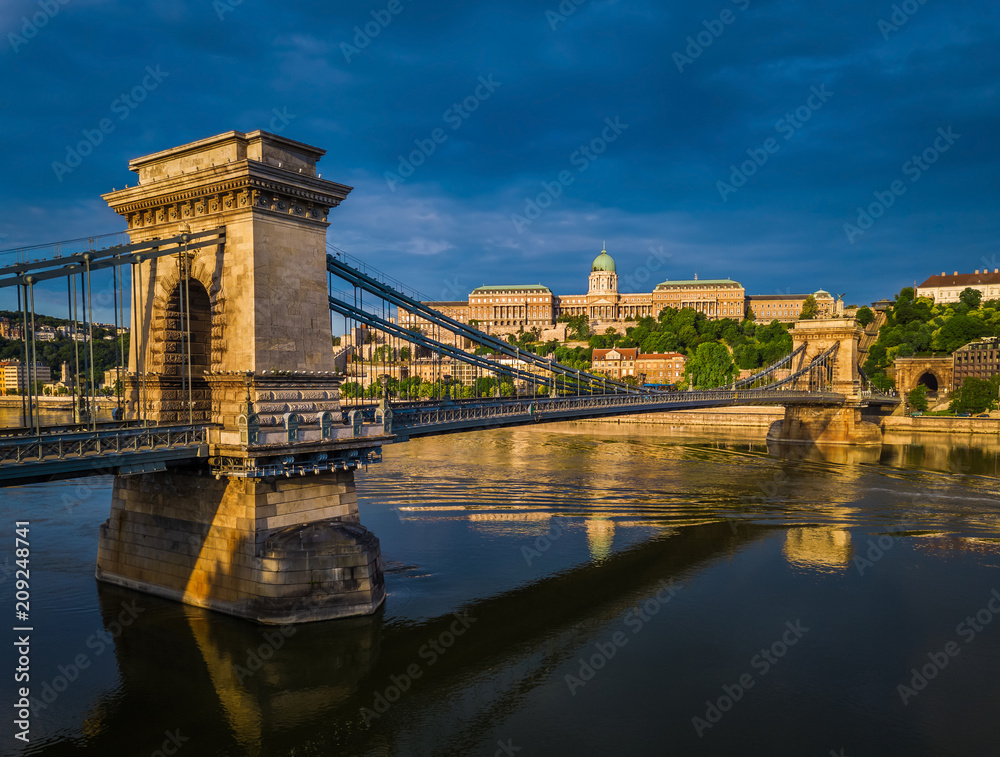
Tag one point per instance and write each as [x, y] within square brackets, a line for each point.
[125, 450]
[28, 459]
[445, 418]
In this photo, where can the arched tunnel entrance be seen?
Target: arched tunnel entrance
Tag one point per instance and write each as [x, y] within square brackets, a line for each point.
[929, 380]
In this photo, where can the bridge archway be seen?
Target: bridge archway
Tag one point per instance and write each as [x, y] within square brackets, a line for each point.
[193, 337]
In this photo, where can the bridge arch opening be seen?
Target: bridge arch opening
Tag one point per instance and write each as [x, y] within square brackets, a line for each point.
[929, 380]
[187, 339]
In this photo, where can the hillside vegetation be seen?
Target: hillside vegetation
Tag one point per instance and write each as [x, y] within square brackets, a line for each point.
[916, 326]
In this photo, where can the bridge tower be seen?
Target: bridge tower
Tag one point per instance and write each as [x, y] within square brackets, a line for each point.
[237, 335]
[828, 424]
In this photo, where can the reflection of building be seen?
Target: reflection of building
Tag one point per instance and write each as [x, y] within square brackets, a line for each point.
[979, 359]
[946, 288]
[823, 548]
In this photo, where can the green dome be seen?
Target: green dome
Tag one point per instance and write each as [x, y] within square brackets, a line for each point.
[603, 262]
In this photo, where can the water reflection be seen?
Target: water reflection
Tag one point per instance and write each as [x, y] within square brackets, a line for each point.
[600, 537]
[261, 687]
[820, 548]
[544, 542]
[838, 454]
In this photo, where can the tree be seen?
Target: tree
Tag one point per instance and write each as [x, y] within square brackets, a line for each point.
[711, 366]
[865, 316]
[917, 397]
[350, 389]
[975, 396]
[882, 382]
[971, 297]
[957, 331]
[809, 309]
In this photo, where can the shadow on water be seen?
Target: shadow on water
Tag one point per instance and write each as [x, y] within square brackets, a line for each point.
[837, 454]
[232, 687]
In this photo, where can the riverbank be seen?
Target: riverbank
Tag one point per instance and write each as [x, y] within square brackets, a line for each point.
[53, 403]
[937, 424]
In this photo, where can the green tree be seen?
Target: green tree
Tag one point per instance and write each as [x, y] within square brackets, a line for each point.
[917, 397]
[710, 366]
[882, 382]
[350, 389]
[809, 309]
[975, 396]
[957, 331]
[971, 297]
[865, 316]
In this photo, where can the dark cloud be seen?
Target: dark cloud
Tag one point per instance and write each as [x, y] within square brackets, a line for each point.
[558, 79]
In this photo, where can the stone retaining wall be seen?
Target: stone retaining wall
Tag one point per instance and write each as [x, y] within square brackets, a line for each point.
[750, 416]
[941, 425]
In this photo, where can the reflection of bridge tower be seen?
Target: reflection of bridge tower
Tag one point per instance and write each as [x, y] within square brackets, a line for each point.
[600, 537]
[245, 325]
[834, 423]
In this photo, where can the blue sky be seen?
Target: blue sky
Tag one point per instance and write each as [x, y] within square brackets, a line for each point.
[746, 134]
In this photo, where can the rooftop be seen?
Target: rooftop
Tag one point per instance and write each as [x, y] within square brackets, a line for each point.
[963, 279]
[515, 287]
[697, 282]
[630, 353]
[776, 296]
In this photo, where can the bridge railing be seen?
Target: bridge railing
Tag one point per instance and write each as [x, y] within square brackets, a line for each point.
[93, 444]
[409, 418]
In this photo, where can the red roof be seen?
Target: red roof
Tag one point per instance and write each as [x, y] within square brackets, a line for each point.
[963, 279]
[628, 353]
[662, 356]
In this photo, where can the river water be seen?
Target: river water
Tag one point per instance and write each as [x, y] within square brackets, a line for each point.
[580, 589]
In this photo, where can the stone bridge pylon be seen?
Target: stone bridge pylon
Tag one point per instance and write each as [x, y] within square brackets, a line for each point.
[832, 423]
[237, 335]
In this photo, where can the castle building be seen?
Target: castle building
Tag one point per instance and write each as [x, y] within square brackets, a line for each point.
[787, 307]
[515, 308]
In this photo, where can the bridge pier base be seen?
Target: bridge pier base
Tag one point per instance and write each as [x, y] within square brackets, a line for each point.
[824, 425]
[284, 550]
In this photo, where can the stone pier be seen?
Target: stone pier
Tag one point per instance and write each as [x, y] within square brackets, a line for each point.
[267, 527]
[277, 551]
[831, 424]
